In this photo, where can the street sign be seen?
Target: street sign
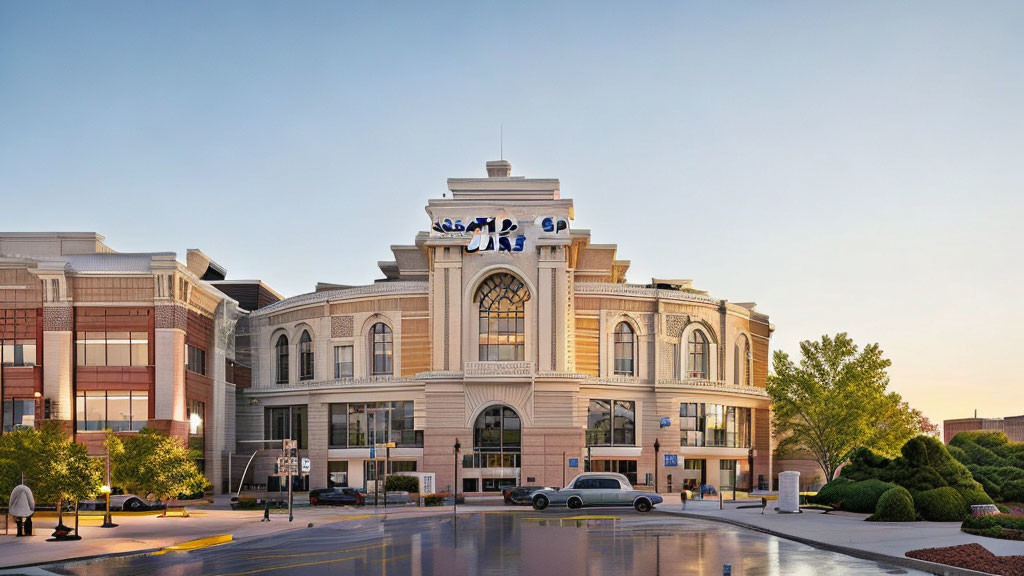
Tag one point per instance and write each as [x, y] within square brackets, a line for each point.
[389, 445]
[574, 462]
[666, 421]
[306, 465]
[373, 452]
[671, 460]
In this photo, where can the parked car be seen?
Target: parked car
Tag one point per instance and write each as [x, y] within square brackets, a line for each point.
[522, 494]
[597, 489]
[336, 497]
[122, 502]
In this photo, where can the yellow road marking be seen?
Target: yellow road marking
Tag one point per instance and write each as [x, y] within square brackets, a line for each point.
[196, 544]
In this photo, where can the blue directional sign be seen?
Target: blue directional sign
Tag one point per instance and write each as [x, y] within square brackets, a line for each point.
[574, 462]
[373, 452]
[666, 421]
[671, 460]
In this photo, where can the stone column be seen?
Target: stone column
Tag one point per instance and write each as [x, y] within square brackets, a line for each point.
[318, 424]
[169, 414]
[58, 360]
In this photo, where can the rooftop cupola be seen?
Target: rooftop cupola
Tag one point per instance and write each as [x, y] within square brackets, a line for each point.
[499, 169]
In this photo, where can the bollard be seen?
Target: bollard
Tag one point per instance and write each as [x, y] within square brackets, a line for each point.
[720, 504]
[726, 569]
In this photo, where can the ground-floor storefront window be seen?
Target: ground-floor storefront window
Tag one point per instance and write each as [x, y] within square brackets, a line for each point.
[337, 474]
[625, 467]
[727, 480]
[693, 474]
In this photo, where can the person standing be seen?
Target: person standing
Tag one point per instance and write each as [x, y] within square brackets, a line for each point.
[23, 505]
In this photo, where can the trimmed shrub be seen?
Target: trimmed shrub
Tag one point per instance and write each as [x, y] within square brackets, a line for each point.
[894, 505]
[995, 526]
[400, 483]
[958, 453]
[1013, 491]
[974, 496]
[941, 505]
[842, 494]
[865, 465]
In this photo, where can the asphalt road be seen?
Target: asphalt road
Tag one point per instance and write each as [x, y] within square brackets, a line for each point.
[559, 543]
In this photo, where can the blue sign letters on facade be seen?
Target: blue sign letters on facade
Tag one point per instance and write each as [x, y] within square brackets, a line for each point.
[666, 421]
[574, 462]
[671, 460]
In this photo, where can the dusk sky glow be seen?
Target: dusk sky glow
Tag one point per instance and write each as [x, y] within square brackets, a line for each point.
[848, 166]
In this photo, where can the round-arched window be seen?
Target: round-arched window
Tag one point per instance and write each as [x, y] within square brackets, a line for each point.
[305, 356]
[497, 438]
[382, 346]
[281, 351]
[625, 350]
[502, 299]
[697, 357]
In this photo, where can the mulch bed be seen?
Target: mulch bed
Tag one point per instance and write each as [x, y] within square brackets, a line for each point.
[972, 557]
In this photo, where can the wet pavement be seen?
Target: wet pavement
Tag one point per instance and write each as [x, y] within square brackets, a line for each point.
[596, 543]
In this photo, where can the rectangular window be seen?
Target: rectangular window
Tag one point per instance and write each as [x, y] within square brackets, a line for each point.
[625, 467]
[343, 361]
[17, 337]
[691, 424]
[611, 423]
[286, 422]
[112, 348]
[727, 477]
[337, 474]
[195, 360]
[119, 411]
[714, 425]
[19, 413]
[391, 422]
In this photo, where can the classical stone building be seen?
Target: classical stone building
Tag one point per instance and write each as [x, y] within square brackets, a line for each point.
[509, 330]
[102, 340]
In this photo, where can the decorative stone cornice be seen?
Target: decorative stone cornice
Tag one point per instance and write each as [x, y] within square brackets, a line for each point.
[640, 291]
[378, 289]
[338, 383]
[498, 369]
[713, 386]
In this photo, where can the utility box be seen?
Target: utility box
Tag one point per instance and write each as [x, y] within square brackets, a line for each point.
[789, 492]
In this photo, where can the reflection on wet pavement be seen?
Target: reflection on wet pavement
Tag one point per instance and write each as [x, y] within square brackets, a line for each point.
[528, 543]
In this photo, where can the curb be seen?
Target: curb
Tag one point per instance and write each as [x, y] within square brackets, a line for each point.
[901, 561]
[186, 546]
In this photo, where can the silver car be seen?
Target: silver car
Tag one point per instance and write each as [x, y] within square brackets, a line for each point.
[597, 489]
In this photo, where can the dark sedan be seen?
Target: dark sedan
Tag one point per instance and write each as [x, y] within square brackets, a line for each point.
[336, 497]
[521, 494]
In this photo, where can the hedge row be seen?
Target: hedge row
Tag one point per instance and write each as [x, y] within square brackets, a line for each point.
[843, 494]
[401, 483]
[995, 462]
[995, 526]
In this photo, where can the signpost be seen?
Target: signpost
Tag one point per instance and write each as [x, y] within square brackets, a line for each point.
[291, 465]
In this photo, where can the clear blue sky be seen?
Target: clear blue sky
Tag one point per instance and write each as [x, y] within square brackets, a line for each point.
[853, 166]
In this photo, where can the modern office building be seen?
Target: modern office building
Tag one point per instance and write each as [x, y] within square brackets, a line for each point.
[1012, 426]
[98, 340]
[508, 331]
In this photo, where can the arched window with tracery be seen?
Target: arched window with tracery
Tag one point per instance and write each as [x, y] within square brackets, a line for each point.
[502, 298]
[697, 357]
[382, 345]
[625, 350]
[305, 356]
[281, 351]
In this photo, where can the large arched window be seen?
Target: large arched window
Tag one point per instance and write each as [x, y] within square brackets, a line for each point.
[697, 356]
[382, 345]
[497, 438]
[625, 350]
[305, 356]
[281, 351]
[741, 361]
[502, 299]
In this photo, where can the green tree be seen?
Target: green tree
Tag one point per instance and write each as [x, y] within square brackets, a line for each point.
[54, 466]
[150, 462]
[835, 401]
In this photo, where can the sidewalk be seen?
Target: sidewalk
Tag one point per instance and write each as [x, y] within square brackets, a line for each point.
[138, 534]
[847, 532]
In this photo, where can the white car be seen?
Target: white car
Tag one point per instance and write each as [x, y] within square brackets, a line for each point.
[597, 489]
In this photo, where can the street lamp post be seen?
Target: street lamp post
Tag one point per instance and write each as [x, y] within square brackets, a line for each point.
[107, 520]
[657, 448]
[455, 491]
